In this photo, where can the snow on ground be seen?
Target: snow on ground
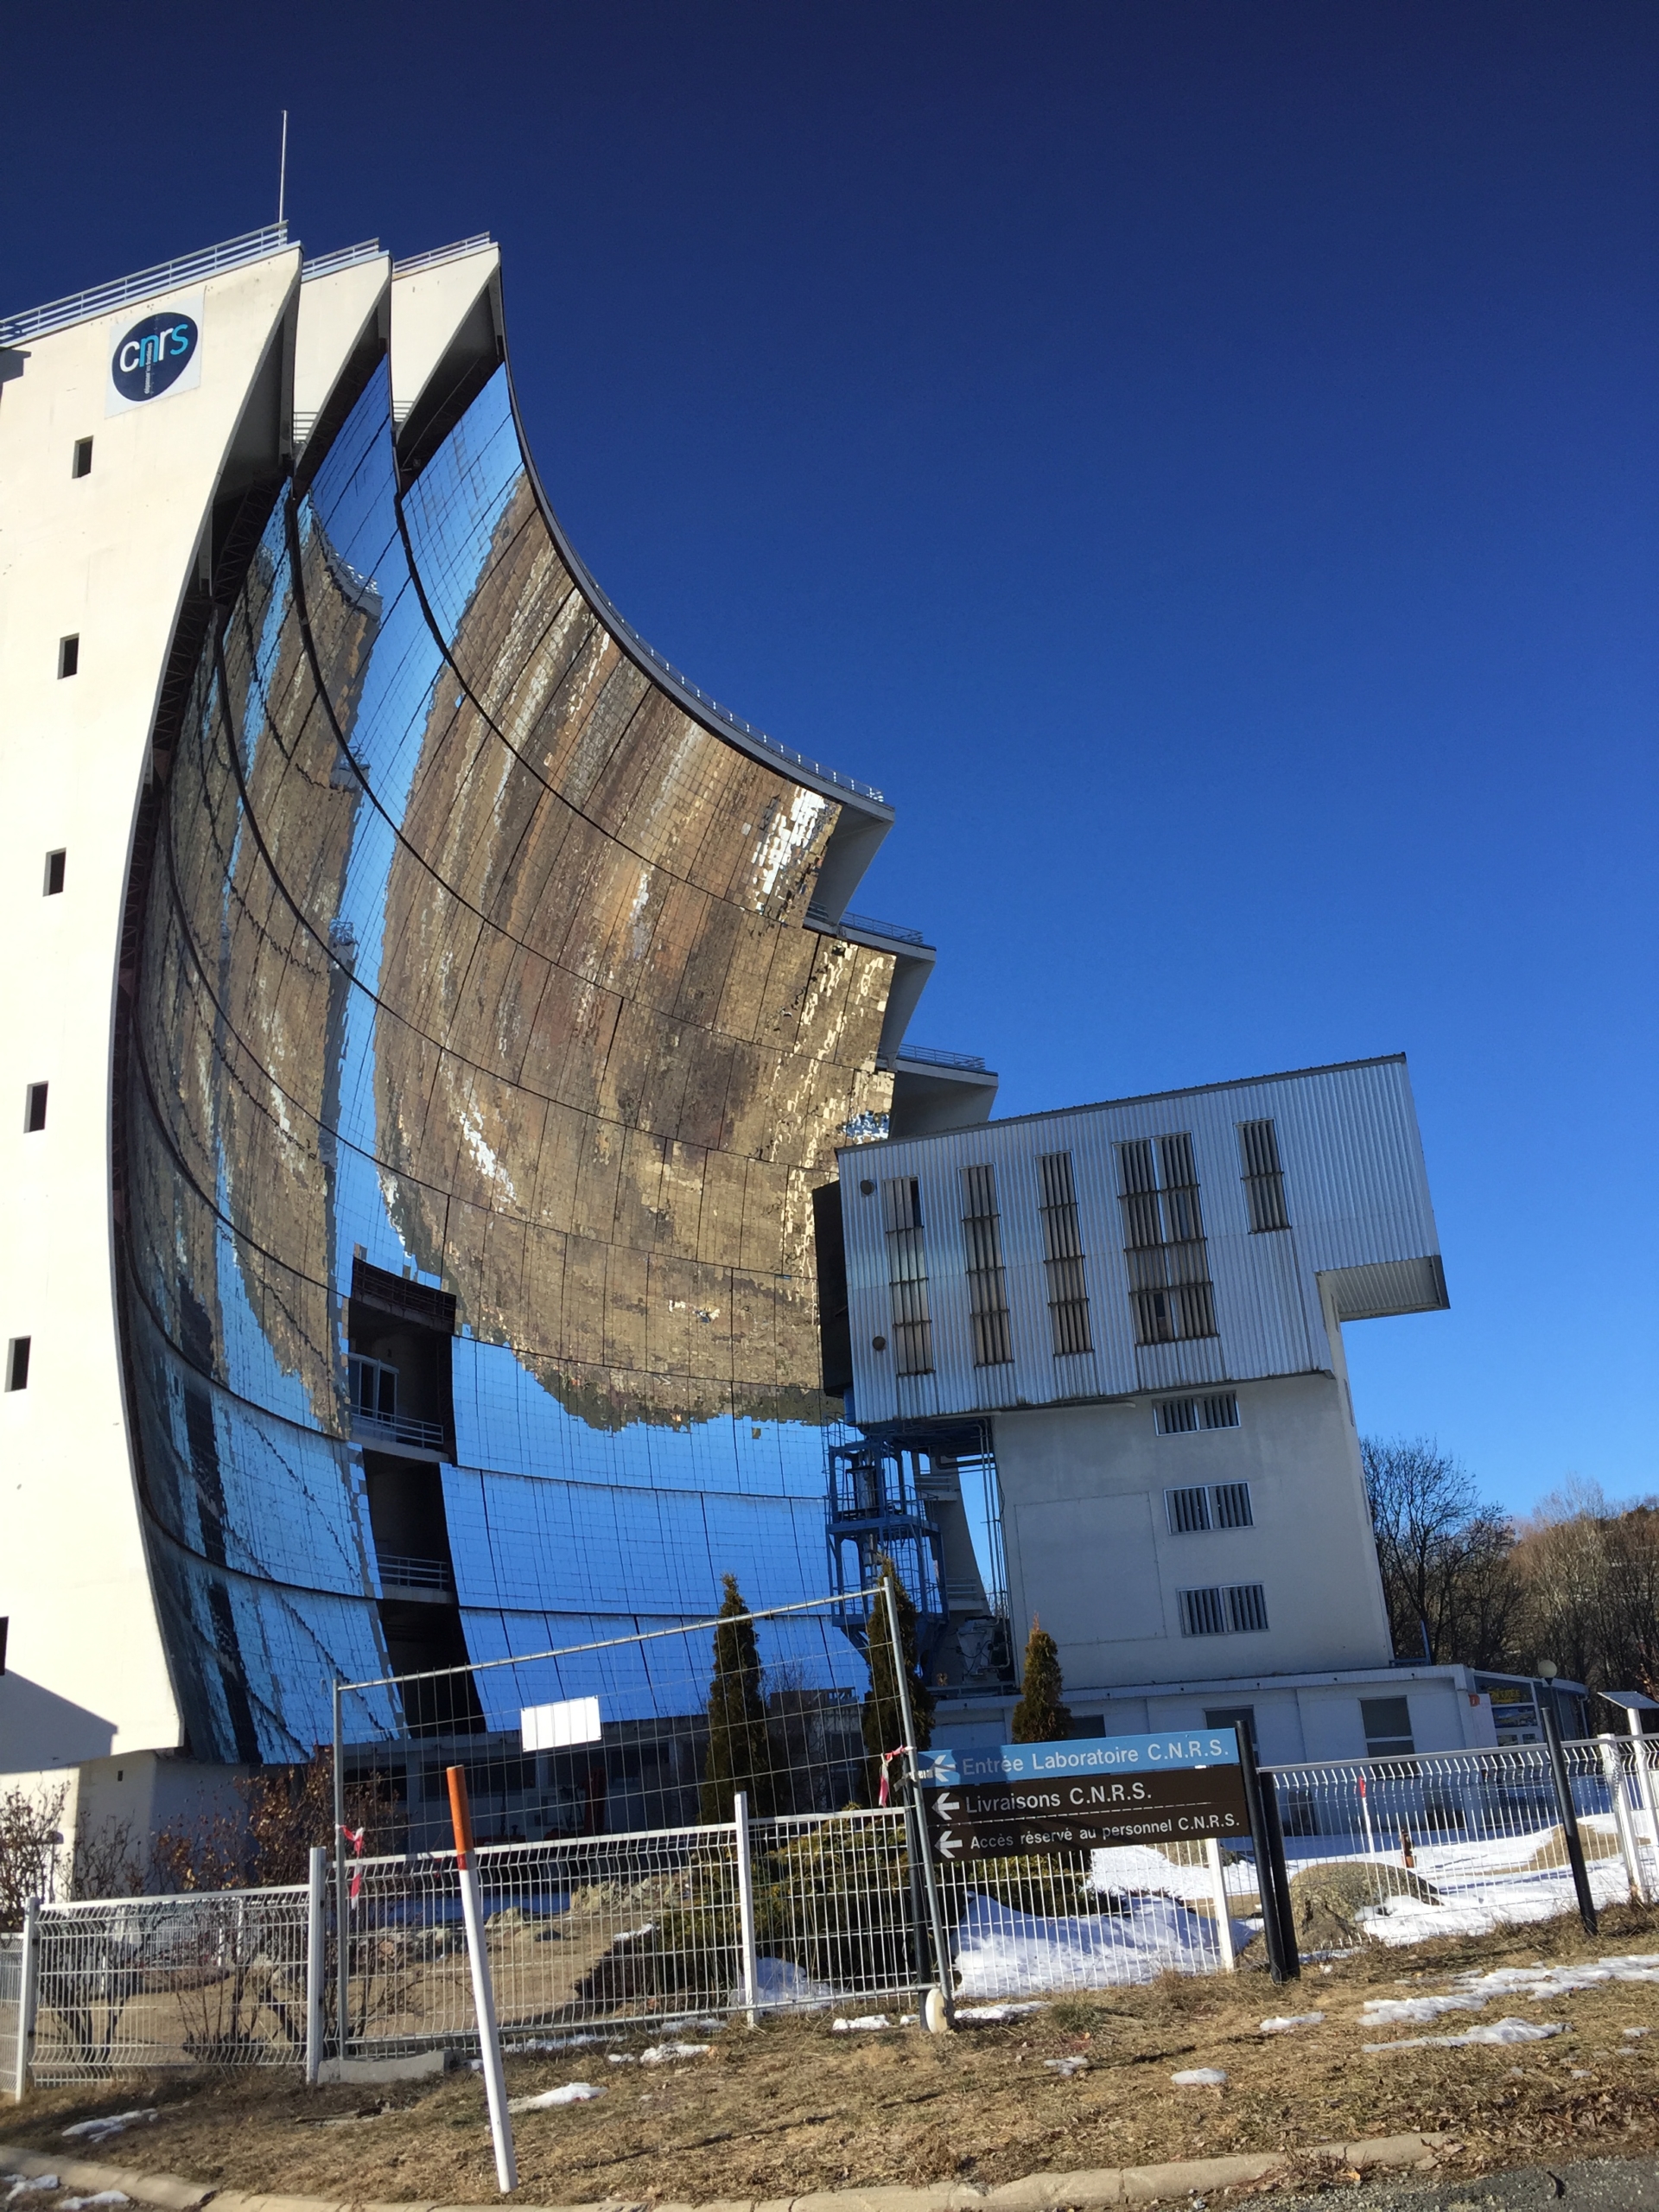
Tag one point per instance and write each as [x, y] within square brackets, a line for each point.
[1499, 2031]
[1001, 1951]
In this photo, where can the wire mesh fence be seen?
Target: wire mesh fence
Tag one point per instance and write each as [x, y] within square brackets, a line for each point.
[600, 1932]
[216, 1979]
[1461, 1842]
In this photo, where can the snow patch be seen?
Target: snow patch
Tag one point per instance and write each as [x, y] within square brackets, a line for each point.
[572, 2093]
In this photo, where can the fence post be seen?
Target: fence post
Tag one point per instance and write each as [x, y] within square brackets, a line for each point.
[316, 1960]
[1644, 1785]
[28, 1985]
[1564, 1805]
[1273, 1886]
[342, 1902]
[1223, 1910]
[489, 2040]
[745, 1900]
[924, 1841]
[1612, 1765]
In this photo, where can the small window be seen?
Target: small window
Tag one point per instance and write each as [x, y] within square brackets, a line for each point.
[55, 873]
[1220, 1410]
[1062, 1254]
[988, 1288]
[68, 656]
[1233, 1506]
[35, 1109]
[1386, 1722]
[1240, 1717]
[17, 1364]
[1188, 1510]
[1176, 1416]
[1264, 1175]
[1204, 1612]
[1247, 1608]
[82, 465]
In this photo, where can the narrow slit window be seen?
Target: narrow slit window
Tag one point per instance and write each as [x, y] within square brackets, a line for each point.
[1264, 1176]
[35, 1109]
[1220, 1410]
[68, 656]
[1188, 1512]
[1164, 1244]
[1068, 1287]
[1204, 1612]
[1233, 1506]
[988, 1286]
[912, 1324]
[82, 464]
[1176, 1416]
[55, 873]
[17, 1364]
[1246, 1609]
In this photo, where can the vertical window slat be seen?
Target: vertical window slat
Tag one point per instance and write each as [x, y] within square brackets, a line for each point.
[1068, 1287]
[987, 1287]
[1263, 1175]
[912, 1324]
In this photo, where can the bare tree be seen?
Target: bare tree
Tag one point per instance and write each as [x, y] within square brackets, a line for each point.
[29, 1841]
[1587, 1575]
[1444, 1554]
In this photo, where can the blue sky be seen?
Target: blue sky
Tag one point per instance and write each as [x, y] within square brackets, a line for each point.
[1197, 459]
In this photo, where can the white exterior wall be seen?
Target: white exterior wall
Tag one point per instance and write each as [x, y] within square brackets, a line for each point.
[106, 557]
[1356, 1192]
[1091, 1550]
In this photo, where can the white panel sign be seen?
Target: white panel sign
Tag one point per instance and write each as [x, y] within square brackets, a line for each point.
[557, 1727]
[153, 353]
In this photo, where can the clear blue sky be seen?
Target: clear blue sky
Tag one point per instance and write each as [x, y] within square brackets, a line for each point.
[1198, 460]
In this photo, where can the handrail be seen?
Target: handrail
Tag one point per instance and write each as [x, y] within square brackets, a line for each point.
[343, 257]
[414, 1574]
[432, 1434]
[163, 277]
[436, 255]
[930, 1056]
[900, 933]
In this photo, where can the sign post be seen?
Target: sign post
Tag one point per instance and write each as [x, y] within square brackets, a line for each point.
[489, 2041]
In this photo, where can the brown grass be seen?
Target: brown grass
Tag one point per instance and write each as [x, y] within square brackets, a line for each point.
[793, 2106]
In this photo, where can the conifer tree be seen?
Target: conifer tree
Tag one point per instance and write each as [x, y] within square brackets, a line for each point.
[739, 1756]
[883, 1717]
[1039, 1717]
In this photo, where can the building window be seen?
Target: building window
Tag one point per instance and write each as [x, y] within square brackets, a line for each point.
[82, 464]
[17, 1364]
[1068, 1291]
[1184, 1416]
[1264, 1175]
[1240, 1718]
[68, 656]
[374, 1388]
[55, 873]
[1188, 1510]
[1232, 1609]
[987, 1287]
[1233, 1506]
[1163, 1241]
[912, 1326]
[35, 1109]
[1386, 1722]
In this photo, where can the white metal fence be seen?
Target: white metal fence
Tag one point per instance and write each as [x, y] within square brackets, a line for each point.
[594, 1934]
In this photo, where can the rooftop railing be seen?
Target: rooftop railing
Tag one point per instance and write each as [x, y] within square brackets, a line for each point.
[932, 1057]
[435, 256]
[900, 933]
[343, 257]
[79, 307]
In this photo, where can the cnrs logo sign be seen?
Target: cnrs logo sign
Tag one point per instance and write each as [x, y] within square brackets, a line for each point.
[154, 354]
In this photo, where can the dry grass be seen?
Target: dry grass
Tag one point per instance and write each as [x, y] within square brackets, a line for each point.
[794, 2107]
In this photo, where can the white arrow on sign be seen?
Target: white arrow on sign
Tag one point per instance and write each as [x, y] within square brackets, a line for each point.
[946, 1807]
[950, 1845]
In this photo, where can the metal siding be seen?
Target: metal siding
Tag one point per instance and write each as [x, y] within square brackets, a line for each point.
[1357, 1194]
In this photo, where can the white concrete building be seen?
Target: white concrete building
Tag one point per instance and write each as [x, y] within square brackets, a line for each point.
[1135, 1311]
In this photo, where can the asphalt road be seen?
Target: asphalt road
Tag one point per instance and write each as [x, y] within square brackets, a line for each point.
[1594, 2184]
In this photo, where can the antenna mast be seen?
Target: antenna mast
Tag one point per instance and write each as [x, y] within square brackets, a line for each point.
[281, 172]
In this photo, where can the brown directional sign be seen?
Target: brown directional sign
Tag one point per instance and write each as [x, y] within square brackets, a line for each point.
[1089, 1812]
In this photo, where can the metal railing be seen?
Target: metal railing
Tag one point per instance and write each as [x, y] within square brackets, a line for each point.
[164, 277]
[434, 256]
[343, 257]
[404, 1573]
[400, 1428]
[899, 932]
[930, 1056]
